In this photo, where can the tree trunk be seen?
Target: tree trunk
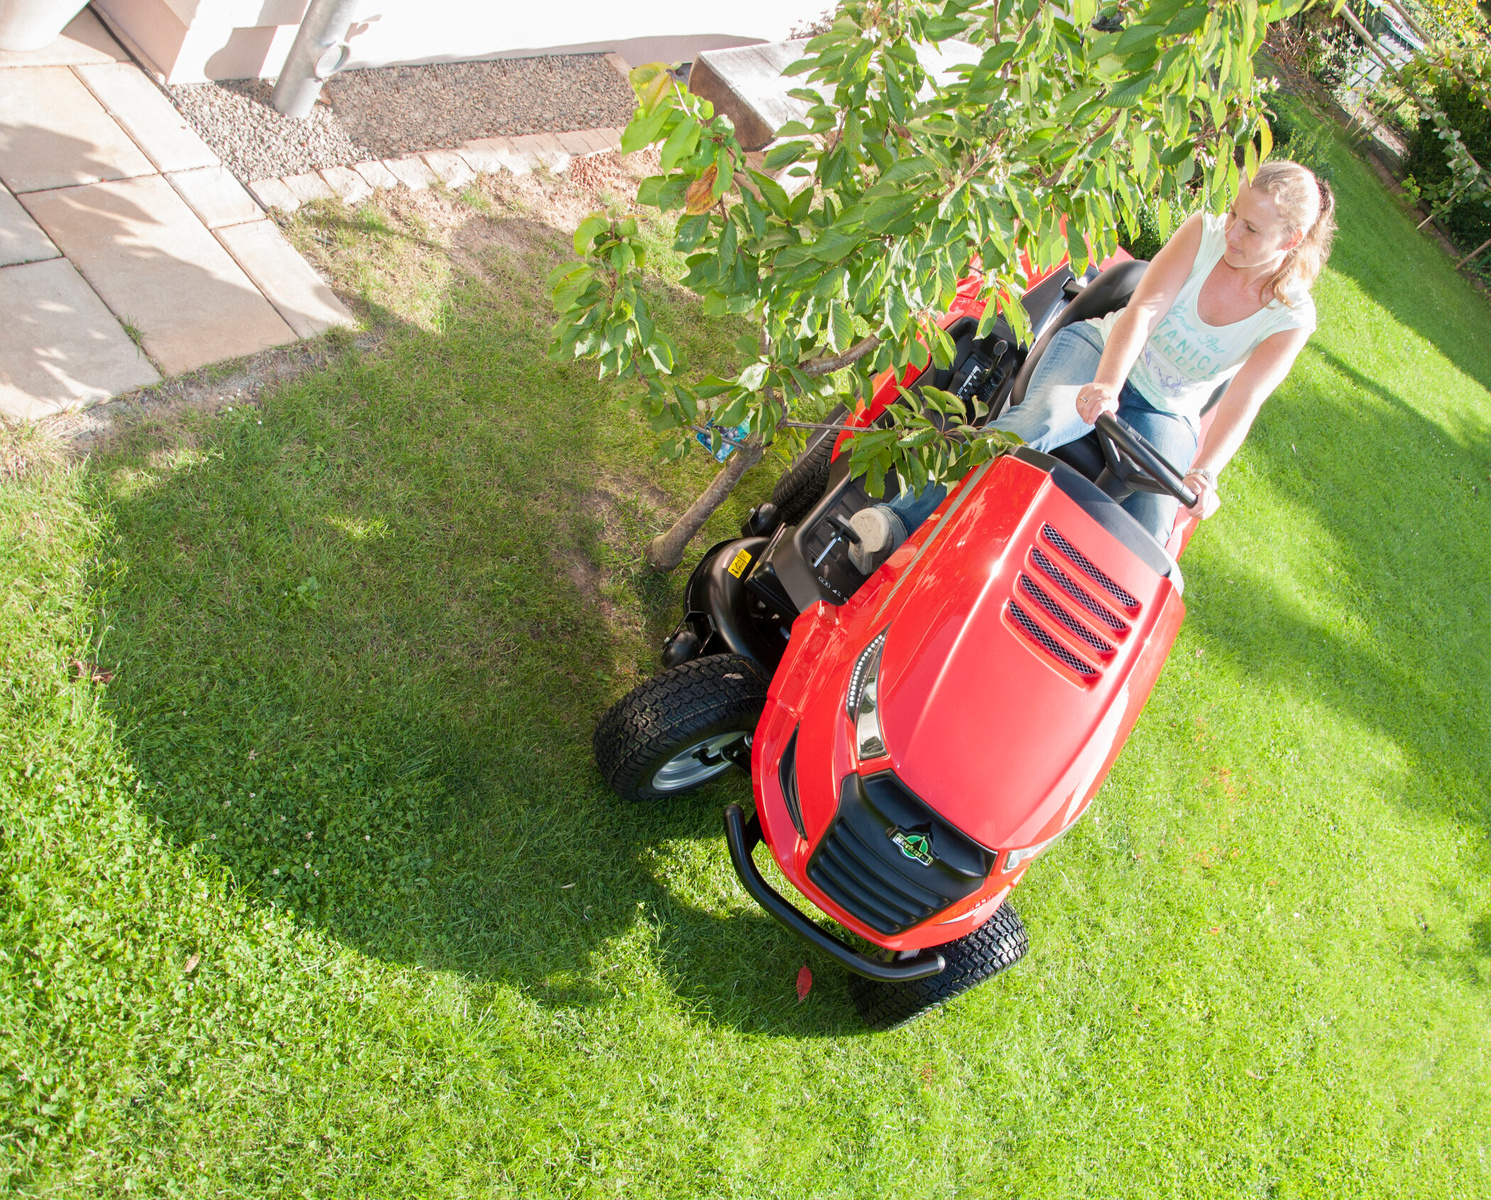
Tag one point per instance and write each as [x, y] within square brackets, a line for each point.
[665, 551]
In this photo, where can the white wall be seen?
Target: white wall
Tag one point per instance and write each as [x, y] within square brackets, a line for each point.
[188, 41]
[407, 31]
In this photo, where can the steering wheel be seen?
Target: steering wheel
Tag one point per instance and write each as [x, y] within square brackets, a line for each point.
[1148, 471]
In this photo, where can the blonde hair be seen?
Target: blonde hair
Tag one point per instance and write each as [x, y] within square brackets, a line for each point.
[1306, 202]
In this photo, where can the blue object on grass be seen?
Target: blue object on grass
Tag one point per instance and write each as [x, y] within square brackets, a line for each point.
[727, 448]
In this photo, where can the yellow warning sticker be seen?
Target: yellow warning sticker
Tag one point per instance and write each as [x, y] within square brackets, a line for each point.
[740, 562]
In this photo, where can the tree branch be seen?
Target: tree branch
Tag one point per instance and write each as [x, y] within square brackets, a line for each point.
[815, 367]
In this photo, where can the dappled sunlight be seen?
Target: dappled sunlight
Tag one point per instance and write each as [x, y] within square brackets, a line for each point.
[360, 529]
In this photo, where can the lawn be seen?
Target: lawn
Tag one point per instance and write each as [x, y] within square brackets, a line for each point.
[311, 888]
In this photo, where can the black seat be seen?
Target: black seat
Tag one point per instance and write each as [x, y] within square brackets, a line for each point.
[1110, 291]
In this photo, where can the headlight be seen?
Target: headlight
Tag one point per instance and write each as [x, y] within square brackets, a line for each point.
[1014, 858]
[861, 703]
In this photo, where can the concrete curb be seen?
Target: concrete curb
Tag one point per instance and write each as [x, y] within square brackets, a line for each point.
[516, 155]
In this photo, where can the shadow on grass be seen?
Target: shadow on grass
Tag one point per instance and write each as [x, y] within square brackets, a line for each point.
[362, 634]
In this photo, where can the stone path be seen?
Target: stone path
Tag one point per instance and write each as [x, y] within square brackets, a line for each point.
[126, 251]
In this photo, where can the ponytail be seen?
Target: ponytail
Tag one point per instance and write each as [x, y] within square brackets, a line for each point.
[1306, 202]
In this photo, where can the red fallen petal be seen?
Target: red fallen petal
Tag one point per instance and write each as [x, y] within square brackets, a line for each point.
[804, 984]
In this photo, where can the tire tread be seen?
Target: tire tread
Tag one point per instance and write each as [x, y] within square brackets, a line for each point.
[670, 709]
[994, 946]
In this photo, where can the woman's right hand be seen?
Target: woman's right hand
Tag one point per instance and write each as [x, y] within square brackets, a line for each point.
[1094, 400]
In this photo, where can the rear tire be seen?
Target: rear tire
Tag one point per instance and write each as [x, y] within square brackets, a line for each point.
[663, 738]
[999, 942]
[804, 483]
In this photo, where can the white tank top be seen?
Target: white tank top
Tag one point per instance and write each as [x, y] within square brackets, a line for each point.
[1185, 358]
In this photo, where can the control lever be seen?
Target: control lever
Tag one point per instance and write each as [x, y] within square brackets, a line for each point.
[844, 527]
[843, 531]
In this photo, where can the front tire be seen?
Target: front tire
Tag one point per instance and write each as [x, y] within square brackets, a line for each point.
[998, 943]
[678, 730]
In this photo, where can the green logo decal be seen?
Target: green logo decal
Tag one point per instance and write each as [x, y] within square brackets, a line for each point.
[915, 846]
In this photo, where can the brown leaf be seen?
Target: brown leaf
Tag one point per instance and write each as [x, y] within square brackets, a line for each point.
[701, 192]
[191, 964]
[91, 672]
[804, 984]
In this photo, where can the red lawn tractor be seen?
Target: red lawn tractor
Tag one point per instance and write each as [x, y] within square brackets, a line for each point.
[917, 737]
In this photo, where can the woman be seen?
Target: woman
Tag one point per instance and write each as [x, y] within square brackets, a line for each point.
[1227, 298]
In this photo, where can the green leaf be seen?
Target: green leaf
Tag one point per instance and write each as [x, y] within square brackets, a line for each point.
[1190, 18]
[643, 130]
[787, 152]
[1137, 37]
[800, 206]
[841, 327]
[585, 234]
[1130, 92]
[772, 192]
[834, 245]
[651, 82]
[680, 144]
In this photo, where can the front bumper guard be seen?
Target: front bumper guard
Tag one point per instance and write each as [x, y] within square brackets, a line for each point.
[742, 836]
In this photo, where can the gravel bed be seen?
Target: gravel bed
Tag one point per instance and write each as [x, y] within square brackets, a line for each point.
[401, 109]
[255, 142]
[384, 112]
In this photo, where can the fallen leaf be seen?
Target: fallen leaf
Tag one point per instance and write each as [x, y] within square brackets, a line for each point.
[191, 964]
[91, 672]
[804, 984]
[1252, 1075]
[700, 195]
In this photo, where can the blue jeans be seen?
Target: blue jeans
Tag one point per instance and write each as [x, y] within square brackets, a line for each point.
[1048, 418]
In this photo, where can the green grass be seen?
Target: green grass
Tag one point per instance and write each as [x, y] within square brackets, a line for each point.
[321, 894]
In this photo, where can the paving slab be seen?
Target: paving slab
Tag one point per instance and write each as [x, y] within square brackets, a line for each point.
[60, 347]
[156, 266]
[272, 193]
[53, 133]
[376, 175]
[300, 295]
[134, 100]
[349, 186]
[411, 172]
[308, 187]
[215, 196]
[495, 154]
[21, 238]
[449, 168]
[578, 142]
[545, 148]
[83, 40]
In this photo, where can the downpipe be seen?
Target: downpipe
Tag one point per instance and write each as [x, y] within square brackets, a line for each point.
[319, 52]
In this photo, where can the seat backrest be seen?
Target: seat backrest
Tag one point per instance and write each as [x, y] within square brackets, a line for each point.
[1111, 290]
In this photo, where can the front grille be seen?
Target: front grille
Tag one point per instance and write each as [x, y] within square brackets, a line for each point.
[1049, 644]
[1062, 617]
[1077, 592]
[1089, 568]
[862, 868]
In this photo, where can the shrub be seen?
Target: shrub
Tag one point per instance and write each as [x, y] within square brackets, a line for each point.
[1468, 221]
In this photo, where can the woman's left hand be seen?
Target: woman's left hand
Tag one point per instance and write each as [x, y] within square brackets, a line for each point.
[1207, 500]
